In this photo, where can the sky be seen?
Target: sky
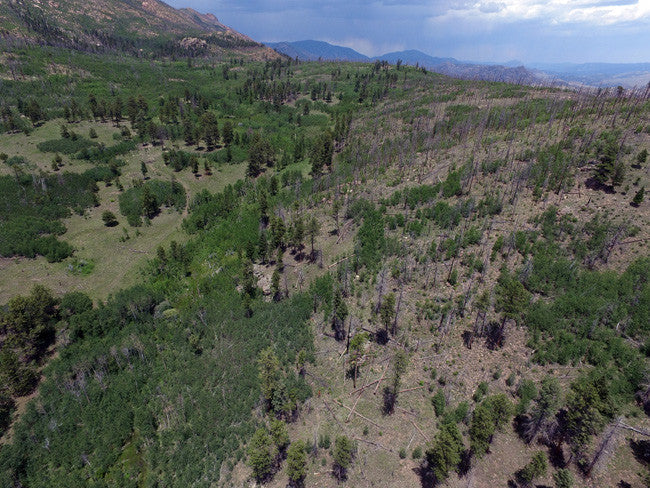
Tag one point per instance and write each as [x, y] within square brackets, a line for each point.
[529, 31]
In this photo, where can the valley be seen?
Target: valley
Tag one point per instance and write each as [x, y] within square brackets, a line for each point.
[226, 267]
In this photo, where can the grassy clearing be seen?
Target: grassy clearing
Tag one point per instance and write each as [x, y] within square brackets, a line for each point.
[114, 262]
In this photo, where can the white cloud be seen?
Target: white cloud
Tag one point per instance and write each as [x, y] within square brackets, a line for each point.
[596, 12]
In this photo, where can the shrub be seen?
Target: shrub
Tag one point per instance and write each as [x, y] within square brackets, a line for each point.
[109, 218]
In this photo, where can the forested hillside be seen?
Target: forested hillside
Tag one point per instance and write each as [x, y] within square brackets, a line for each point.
[314, 274]
[142, 28]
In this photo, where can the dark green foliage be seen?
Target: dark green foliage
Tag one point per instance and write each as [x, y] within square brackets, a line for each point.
[563, 478]
[279, 434]
[493, 413]
[74, 303]
[109, 218]
[439, 402]
[609, 169]
[31, 207]
[536, 468]
[261, 455]
[446, 216]
[580, 323]
[269, 374]
[589, 406]
[324, 441]
[370, 241]
[128, 375]
[297, 463]
[344, 450]
[387, 310]
[102, 154]
[260, 154]
[480, 392]
[66, 145]
[444, 453]
[512, 298]
[321, 153]
[451, 186]
[551, 170]
[28, 326]
[179, 160]
[638, 197]
[19, 379]
[526, 392]
[400, 362]
[642, 157]
[6, 408]
[209, 129]
[146, 200]
[16, 162]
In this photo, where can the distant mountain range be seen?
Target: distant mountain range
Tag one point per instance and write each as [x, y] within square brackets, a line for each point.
[315, 50]
[589, 74]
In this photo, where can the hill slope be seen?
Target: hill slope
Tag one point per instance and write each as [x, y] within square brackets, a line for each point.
[127, 25]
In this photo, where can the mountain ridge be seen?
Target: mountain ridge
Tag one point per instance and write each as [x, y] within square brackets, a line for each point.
[128, 25]
[413, 57]
[627, 75]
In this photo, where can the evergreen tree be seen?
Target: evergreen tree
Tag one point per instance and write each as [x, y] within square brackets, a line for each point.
[280, 435]
[34, 112]
[276, 291]
[494, 412]
[269, 374]
[343, 454]
[297, 464]
[227, 133]
[321, 153]
[444, 453]
[262, 453]
[400, 361]
[260, 154]
[149, 202]
[536, 468]
[387, 311]
[563, 478]
[313, 230]
[210, 130]
[638, 197]
[339, 314]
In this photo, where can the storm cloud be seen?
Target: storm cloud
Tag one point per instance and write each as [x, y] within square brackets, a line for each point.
[494, 30]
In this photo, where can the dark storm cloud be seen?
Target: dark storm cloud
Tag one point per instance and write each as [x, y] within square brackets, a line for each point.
[492, 30]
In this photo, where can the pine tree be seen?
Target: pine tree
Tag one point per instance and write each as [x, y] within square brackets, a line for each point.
[343, 454]
[638, 197]
[149, 202]
[297, 464]
[279, 434]
[313, 230]
[262, 453]
[444, 453]
[269, 374]
[210, 129]
[227, 133]
[536, 468]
